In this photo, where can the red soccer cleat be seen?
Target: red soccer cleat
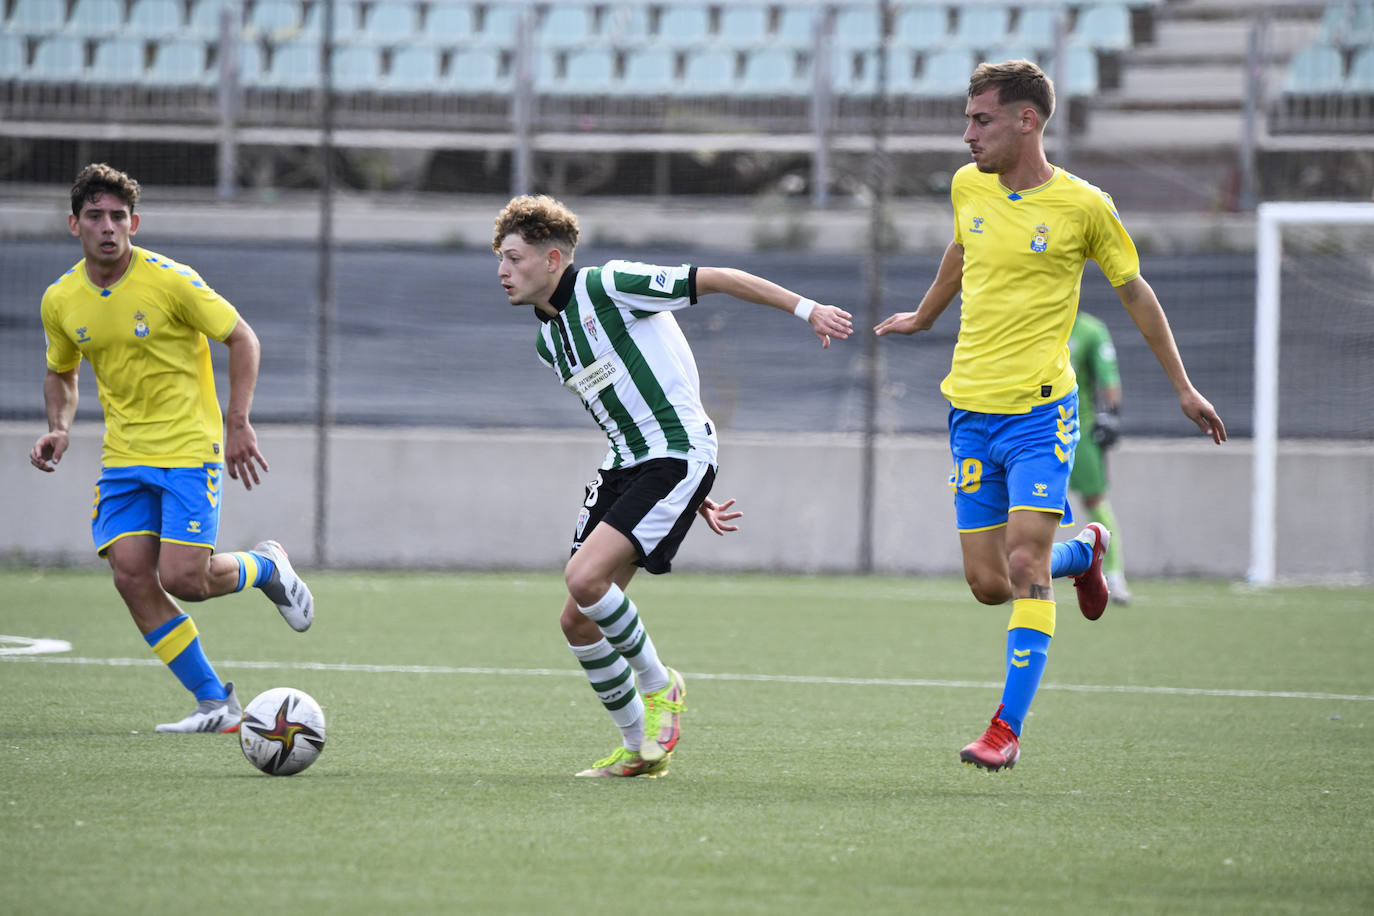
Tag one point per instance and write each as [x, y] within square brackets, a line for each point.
[1092, 585]
[998, 748]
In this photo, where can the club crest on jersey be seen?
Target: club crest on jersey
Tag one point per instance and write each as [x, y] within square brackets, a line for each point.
[590, 324]
[140, 324]
[582, 517]
[1041, 240]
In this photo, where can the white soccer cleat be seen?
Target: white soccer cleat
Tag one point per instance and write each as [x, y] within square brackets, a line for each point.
[1116, 584]
[211, 716]
[286, 589]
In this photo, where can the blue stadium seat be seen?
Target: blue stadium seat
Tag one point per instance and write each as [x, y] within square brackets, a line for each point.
[1315, 70]
[393, 22]
[252, 63]
[500, 25]
[649, 71]
[945, 73]
[1106, 27]
[155, 18]
[1346, 23]
[982, 26]
[348, 24]
[118, 61]
[179, 62]
[626, 24]
[797, 26]
[1080, 75]
[901, 71]
[96, 18]
[356, 68]
[204, 20]
[294, 65]
[1037, 27]
[683, 25]
[12, 51]
[476, 71]
[57, 59]
[857, 27]
[744, 25]
[1360, 79]
[708, 71]
[565, 26]
[449, 24]
[36, 17]
[773, 72]
[921, 27]
[276, 19]
[414, 68]
[586, 71]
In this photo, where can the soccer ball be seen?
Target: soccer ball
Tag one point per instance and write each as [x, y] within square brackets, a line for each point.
[282, 731]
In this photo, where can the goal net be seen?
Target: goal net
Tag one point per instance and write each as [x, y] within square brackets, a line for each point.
[1314, 385]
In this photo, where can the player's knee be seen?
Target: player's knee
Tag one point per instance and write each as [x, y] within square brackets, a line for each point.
[187, 585]
[585, 584]
[988, 589]
[132, 584]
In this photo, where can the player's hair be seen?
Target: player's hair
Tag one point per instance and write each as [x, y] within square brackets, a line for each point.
[1015, 81]
[540, 220]
[99, 178]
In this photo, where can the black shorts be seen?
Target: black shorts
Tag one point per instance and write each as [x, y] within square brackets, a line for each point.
[653, 504]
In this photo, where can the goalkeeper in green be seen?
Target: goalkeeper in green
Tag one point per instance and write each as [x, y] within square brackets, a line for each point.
[1099, 408]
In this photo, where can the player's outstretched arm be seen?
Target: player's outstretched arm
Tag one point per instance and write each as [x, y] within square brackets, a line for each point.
[717, 514]
[826, 320]
[59, 402]
[949, 279]
[240, 439]
[1143, 306]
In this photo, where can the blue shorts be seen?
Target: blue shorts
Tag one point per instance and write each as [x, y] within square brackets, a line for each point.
[1004, 462]
[177, 505]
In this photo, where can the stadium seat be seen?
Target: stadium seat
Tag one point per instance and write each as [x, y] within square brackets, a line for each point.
[586, 71]
[683, 25]
[1080, 75]
[981, 26]
[179, 62]
[901, 71]
[204, 20]
[744, 25]
[117, 61]
[36, 17]
[57, 59]
[626, 24]
[414, 68]
[1360, 79]
[1347, 24]
[921, 27]
[945, 73]
[501, 25]
[565, 26]
[356, 68]
[708, 71]
[96, 18]
[276, 19]
[857, 27]
[294, 65]
[12, 61]
[1315, 70]
[1106, 27]
[392, 22]
[449, 24]
[348, 25]
[797, 27]
[773, 72]
[649, 71]
[476, 71]
[1038, 27]
[155, 18]
[252, 63]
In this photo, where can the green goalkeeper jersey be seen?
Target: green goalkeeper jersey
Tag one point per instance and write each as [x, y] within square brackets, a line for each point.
[1094, 362]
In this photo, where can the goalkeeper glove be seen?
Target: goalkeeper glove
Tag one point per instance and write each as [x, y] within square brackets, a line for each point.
[1107, 427]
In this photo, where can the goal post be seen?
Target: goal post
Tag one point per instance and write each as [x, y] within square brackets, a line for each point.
[1271, 219]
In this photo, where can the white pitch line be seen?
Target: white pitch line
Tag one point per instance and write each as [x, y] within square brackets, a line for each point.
[765, 678]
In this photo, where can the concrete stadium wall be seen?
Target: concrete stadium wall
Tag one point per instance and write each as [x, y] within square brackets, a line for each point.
[475, 499]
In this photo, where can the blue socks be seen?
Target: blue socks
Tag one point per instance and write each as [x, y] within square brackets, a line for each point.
[254, 568]
[177, 643]
[1070, 558]
[1027, 652]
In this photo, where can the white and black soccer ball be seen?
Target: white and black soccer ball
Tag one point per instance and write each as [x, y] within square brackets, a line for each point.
[282, 731]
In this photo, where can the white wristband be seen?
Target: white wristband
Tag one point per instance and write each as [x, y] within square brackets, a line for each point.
[803, 309]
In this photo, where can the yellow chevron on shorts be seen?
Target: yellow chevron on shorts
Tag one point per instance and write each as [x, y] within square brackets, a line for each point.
[175, 642]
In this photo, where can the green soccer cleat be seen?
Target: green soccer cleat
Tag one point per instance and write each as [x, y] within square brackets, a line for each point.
[625, 762]
[661, 711]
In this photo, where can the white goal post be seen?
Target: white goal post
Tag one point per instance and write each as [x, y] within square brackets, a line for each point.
[1271, 218]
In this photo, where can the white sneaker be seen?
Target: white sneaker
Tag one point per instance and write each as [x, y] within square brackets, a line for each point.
[1116, 583]
[211, 715]
[286, 589]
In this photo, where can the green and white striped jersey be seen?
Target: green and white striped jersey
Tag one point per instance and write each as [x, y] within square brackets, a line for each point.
[616, 345]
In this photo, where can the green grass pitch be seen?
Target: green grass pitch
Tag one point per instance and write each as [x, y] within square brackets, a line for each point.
[1209, 749]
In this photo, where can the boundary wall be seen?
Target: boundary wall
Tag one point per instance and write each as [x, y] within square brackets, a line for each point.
[409, 498]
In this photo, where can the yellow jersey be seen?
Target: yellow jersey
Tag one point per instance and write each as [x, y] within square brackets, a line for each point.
[145, 338]
[1023, 267]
